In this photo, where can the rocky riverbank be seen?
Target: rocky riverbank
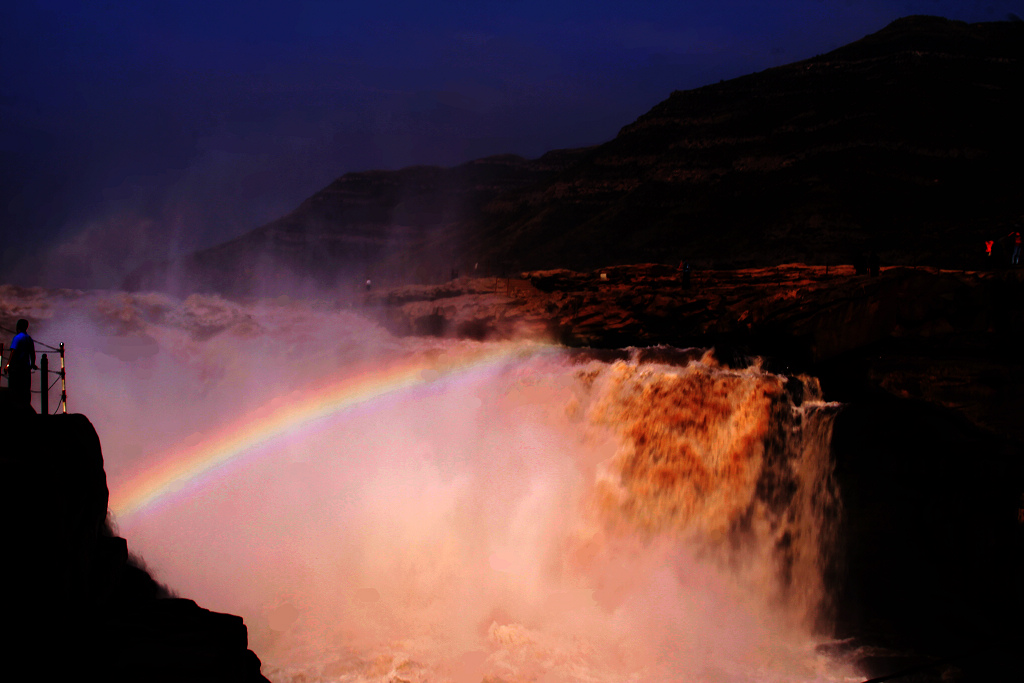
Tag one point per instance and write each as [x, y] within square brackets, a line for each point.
[949, 338]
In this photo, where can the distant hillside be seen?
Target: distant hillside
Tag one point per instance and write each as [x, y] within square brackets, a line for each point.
[907, 142]
[340, 234]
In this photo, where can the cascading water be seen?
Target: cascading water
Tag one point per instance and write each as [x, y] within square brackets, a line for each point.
[733, 463]
[545, 516]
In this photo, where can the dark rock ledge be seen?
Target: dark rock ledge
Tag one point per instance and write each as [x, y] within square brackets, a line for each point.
[76, 606]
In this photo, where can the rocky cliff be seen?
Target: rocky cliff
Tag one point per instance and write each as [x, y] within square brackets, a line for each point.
[906, 142]
[77, 605]
[351, 228]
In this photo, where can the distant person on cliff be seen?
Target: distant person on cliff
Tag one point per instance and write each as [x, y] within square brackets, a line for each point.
[1015, 257]
[21, 363]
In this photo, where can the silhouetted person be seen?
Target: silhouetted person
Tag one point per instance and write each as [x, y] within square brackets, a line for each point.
[874, 264]
[1015, 257]
[21, 363]
[860, 263]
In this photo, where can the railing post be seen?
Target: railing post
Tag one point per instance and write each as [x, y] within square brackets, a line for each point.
[63, 383]
[44, 386]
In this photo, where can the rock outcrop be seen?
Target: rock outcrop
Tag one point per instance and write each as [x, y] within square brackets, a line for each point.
[77, 606]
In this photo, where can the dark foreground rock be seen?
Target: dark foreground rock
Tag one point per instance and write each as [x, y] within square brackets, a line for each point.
[929, 573]
[76, 607]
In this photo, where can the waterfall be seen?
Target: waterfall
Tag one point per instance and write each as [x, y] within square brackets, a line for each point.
[733, 463]
[550, 515]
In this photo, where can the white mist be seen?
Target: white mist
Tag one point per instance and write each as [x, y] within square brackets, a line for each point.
[515, 524]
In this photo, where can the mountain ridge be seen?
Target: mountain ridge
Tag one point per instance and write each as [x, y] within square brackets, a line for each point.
[904, 142]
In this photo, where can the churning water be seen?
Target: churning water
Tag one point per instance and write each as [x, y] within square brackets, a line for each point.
[543, 515]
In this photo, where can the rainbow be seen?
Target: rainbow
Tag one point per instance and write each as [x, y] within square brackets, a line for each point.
[181, 470]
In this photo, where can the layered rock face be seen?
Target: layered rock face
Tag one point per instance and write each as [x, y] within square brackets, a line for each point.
[387, 225]
[76, 604]
[905, 142]
[902, 142]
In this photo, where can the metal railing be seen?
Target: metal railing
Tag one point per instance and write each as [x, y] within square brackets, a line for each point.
[45, 385]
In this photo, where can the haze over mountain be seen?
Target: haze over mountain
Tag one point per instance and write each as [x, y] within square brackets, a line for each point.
[906, 143]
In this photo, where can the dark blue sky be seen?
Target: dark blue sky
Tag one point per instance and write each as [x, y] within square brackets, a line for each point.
[133, 130]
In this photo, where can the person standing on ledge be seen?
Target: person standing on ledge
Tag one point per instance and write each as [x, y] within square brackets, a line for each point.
[1015, 257]
[21, 364]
